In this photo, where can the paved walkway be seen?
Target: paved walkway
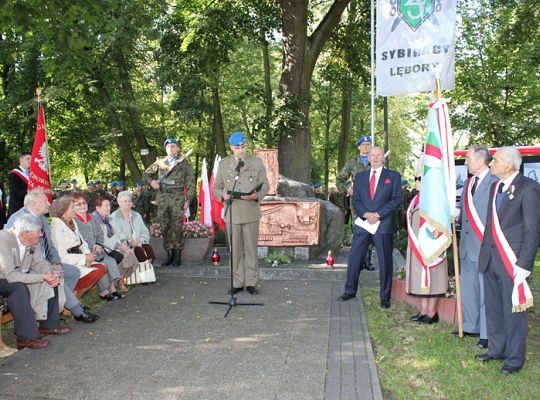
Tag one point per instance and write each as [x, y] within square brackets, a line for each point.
[165, 341]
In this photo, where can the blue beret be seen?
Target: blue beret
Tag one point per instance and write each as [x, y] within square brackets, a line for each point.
[404, 182]
[62, 181]
[317, 186]
[138, 183]
[113, 184]
[169, 141]
[98, 182]
[74, 180]
[237, 139]
[90, 183]
[121, 183]
[363, 139]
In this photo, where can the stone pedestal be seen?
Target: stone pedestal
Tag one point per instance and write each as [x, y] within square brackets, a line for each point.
[197, 249]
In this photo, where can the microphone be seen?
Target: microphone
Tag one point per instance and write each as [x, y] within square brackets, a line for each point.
[239, 165]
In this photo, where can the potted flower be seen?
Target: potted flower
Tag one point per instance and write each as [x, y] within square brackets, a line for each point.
[198, 241]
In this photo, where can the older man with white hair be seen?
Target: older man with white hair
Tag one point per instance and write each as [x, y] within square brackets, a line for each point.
[506, 259]
[29, 283]
[36, 203]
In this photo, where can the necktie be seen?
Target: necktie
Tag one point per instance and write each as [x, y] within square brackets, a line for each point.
[499, 198]
[46, 246]
[473, 189]
[372, 181]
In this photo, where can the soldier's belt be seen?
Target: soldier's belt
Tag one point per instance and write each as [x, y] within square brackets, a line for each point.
[168, 181]
[172, 190]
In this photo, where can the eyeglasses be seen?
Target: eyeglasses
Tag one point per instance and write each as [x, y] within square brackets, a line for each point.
[79, 204]
[418, 179]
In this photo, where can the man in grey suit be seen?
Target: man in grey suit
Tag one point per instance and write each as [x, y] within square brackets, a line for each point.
[251, 186]
[474, 205]
[36, 203]
[506, 258]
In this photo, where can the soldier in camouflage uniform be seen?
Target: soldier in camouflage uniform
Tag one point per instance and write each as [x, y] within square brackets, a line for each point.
[62, 190]
[99, 188]
[358, 164]
[140, 202]
[90, 195]
[170, 198]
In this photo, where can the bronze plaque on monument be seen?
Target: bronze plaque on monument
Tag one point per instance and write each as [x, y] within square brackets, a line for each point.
[289, 223]
[269, 158]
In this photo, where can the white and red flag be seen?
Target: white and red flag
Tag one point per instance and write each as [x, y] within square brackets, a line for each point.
[204, 198]
[217, 205]
[40, 174]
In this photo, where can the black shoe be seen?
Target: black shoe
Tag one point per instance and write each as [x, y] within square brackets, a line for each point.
[86, 308]
[426, 319]
[482, 344]
[417, 316]
[385, 303]
[235, 290]
[346, 296]
[465, 333]
[507, 370]
[170, 258]
[484, 357]
[252, 290]
[109, 297]
[86, 317]
[119, 295]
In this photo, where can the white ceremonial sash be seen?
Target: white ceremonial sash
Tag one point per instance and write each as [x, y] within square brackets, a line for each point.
[472, 214]
[20, 174]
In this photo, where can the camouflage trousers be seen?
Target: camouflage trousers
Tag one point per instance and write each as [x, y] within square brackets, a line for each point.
[170, 212]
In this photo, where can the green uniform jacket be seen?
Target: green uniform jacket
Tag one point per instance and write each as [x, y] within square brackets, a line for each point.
[349, 172]
[181, 175]
[251, 175]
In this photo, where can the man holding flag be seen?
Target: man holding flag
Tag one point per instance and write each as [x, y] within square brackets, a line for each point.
[506, 258]
[18, 184]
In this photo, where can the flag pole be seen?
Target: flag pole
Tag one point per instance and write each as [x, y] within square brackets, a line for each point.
[438, 95]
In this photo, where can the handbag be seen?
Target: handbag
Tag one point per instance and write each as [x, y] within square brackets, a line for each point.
[144, 273]
[118, 257]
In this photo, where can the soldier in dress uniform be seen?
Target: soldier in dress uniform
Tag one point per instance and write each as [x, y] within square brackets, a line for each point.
[251, 187]
[357, 164]
[169, 176]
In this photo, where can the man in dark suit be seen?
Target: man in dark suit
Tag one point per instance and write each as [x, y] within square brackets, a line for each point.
[3, 218]
[474, 205]
[376, 195]
[506, 258]
[18, 183]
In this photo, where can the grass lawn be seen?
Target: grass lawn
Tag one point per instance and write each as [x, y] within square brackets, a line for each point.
[425, 362]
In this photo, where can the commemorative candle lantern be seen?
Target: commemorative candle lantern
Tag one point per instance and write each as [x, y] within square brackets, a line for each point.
[216, 257]
[330, 259]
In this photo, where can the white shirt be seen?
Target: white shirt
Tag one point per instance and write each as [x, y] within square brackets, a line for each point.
[22, 248]
[377, 175]
[508, 181]
[481, 177]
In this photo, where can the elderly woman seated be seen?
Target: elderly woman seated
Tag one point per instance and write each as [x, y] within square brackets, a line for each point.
[91, 232]
[74, 250]
[130, 228]
[121, 252]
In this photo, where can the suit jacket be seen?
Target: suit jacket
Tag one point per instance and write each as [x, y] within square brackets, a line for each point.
[28, 270]
[520, 222]
[55, 257]
[251, 175]
[17, 190]
[469, 244]
[387, 197]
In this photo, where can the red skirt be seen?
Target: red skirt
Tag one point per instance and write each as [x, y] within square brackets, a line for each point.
[90, 279]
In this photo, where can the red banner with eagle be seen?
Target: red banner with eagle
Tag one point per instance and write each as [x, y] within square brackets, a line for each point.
[40, 175]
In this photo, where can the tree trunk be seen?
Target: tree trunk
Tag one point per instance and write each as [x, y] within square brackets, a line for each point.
[268, 101]
[327, 123]
[300, 54]
[346, 104]
[132, 112]
[217, 120]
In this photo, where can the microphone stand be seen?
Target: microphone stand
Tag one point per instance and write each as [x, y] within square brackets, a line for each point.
[232, 299]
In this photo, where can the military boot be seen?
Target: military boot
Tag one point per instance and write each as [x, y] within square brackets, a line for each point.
[177, 257]
[170, 257]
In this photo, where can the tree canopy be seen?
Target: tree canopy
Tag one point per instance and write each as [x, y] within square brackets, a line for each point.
[119, 77]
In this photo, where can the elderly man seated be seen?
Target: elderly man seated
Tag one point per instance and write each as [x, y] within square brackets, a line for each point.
[30, 284]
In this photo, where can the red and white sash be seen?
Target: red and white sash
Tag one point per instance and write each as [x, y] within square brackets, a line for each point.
[521, 295]
[425, 284]
[20, 174]
[472, 214]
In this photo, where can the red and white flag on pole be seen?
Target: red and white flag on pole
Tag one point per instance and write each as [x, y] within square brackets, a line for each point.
[40, 173]
[217, 205]
[204, 198]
